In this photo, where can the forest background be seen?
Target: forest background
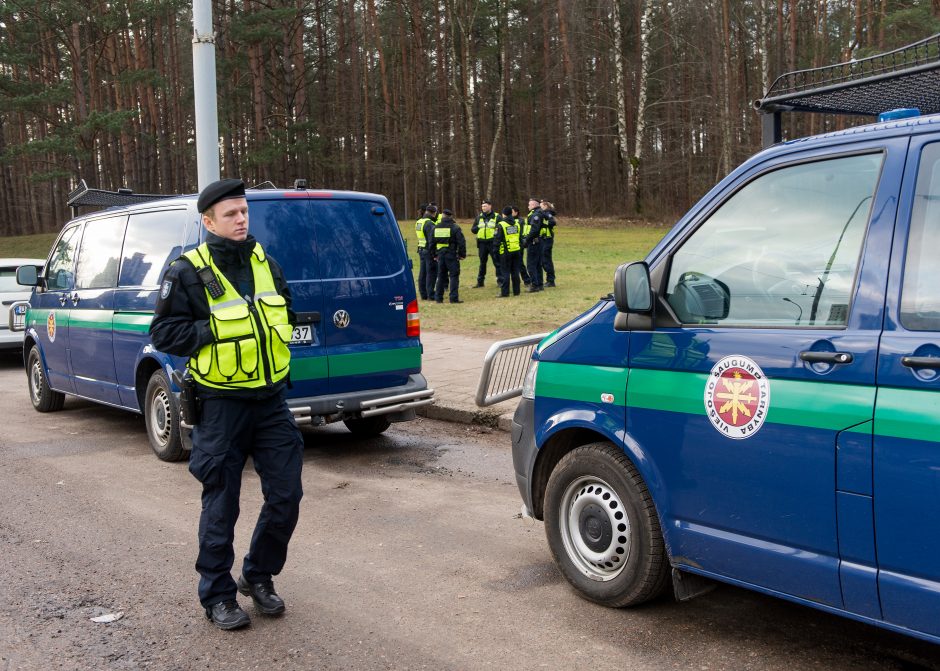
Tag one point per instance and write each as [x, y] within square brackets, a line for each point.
[606, 107]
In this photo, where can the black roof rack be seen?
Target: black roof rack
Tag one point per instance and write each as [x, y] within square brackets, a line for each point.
[83, 196]
[905, 77]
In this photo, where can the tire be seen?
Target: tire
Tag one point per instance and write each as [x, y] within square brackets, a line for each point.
[162, 417]
[603, 529]
[44, 398]
[367, 427]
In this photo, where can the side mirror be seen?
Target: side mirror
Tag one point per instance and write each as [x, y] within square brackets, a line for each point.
[632, 290]
[28, 276]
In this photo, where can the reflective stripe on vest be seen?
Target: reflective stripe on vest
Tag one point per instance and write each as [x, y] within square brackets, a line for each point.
[511, 235]
[486, 228]
[249, 349]
[441, 236]
[419, 231]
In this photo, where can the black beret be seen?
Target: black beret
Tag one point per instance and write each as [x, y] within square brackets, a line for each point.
[220, 190]
[447, 212]
[431, 208]
[507, 211]
[487, 202]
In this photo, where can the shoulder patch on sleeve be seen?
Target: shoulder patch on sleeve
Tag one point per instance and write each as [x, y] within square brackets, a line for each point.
[165, 289]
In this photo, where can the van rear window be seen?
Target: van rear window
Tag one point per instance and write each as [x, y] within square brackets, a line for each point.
[328, 239]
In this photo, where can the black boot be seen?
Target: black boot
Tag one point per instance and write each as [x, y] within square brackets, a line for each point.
[262, 593]
[228, 615]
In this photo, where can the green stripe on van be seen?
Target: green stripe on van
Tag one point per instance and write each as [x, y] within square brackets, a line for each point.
[138, 322]
[90, 319]
[581, 383]
[908, 413]
[378, 361]
[308, 368]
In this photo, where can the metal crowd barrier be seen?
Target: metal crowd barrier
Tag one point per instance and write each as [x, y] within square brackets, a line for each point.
[504, 369]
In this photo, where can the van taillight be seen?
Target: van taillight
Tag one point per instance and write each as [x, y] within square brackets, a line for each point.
[413, 320]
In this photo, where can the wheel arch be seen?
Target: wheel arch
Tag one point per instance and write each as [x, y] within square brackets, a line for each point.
[568, 436]
[145, 368]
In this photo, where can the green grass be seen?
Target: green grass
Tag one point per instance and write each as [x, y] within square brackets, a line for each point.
[586, 254]
[27, 246]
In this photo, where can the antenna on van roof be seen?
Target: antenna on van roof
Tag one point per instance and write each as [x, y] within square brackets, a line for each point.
[83, 196]
[908, 77]
[267, 184]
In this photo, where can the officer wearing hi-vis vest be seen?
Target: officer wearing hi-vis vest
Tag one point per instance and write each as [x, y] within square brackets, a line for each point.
[507, 243]
[226, 306]
[450, 248]
[531, 240]
[427, 273]
[484, 227]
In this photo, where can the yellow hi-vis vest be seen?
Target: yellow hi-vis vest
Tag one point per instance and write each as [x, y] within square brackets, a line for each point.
[486, 228]
[527, 227]
[511, 235]
[441, 238]
[250, 345]
[419, 231]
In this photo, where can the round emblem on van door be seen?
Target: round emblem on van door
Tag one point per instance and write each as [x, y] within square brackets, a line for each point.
[341, 319]
[50, 326]
[737, 397]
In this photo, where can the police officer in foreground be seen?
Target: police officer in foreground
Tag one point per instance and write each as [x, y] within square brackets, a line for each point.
[532, 238]
[226, 306]
[451, 248]
[424, 231]
[507, 244]
[484, 227]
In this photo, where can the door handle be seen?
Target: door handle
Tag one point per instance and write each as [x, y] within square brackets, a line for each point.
[75, 298]
[62, 300]
[931, 362]
[826, 357]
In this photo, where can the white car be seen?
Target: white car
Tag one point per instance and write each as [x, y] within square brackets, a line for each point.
[10, 292]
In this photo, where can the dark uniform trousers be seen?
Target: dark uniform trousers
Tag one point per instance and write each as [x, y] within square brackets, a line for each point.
[547, 243]
[433, 269]
[448, 270]
[485, 251]
[534, 254]
[424, 262]
[511, 265]
[231, 430]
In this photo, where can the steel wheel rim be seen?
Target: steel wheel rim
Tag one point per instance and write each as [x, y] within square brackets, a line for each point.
[590, 510]
[160, 424]
[35, 382]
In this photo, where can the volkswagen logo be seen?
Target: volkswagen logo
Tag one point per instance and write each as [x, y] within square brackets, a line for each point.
[341, 319]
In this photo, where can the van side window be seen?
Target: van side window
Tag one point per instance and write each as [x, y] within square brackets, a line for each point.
[782, 251]
[920, 292]
[61, 267]
[100, 253]
[153, 240]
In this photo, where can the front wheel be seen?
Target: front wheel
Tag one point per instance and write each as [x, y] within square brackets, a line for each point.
[162, 417]
[367, 427]
[603, 529]
[43, 397]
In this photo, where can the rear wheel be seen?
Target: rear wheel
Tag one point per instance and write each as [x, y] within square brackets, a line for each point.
[603, 529]
[44, 398]
[162, 416]
[367, 427]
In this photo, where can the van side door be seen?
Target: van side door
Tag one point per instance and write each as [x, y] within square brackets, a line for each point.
[907, 412]
[50, 308]
[92, 309]
[762, 357]
[153, 240]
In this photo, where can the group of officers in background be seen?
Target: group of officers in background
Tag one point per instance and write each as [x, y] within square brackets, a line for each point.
[502, 237]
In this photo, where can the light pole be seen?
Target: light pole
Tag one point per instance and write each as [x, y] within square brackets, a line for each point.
[204, 88]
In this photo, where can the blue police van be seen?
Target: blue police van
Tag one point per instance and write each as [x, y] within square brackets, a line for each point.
[355, 351]
[758, 401]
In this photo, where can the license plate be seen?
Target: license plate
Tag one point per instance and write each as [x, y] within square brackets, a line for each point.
[301, 335]
[19, 316]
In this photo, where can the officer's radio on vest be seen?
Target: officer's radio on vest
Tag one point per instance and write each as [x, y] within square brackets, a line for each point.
[210, 282]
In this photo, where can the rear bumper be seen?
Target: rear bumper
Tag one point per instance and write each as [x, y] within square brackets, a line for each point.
[399, 403]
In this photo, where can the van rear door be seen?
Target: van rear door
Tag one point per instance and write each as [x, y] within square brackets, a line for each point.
[284, 227]
[907, 411]
[367, 286]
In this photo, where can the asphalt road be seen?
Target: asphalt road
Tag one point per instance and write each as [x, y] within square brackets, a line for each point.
[409, 555]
